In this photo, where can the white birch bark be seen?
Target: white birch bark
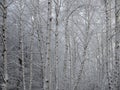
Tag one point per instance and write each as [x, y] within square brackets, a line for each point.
[31, 55]
[41, 46]
[19, 58]
[48, 38]
[33, 21]
[57, 45]
[21, 28]
[66, 55]
[108, 28]
[117, 45]
[65, 68]
[4, 36]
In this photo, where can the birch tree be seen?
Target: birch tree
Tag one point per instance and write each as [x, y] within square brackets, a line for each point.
[4, 37]
[59, 45]
[57, 10]
[117, 44]
[48, 38]
[21, 42]
[41, 41]
[31, 53]
[108, 29]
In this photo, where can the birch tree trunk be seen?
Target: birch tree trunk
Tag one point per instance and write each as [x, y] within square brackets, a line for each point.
[117, 44]
[19, 58]
[20, 47]
[21, 41]
[33, 21]
[48, 38]
[31, 59]
[40, 46]
[41, 42]
[66, 55]
[31, 54]
[65, 68]
[23, 62]
[4, 36]
[70, 64]
[74, 59]
[56, 45]
[108, 29]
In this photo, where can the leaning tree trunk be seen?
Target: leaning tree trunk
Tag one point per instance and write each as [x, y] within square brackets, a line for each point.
[85, 43]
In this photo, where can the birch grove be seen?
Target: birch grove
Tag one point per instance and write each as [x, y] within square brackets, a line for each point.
[59, 45]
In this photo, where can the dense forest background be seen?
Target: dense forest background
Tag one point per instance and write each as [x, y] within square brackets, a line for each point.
[59, 44]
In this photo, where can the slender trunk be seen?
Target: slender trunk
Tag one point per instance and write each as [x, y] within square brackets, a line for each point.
[70, 64]
[21, 42]
[31, 55]
[19, 59]
[41, 43]
[66, 55]
[23, 62]
[40, 46]
[108, 27]
[117, 44]
[21, 53]
[56, 46]
[48, 38]
[102, 66]
[35, 5]
[4, 29]
[74, 58]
